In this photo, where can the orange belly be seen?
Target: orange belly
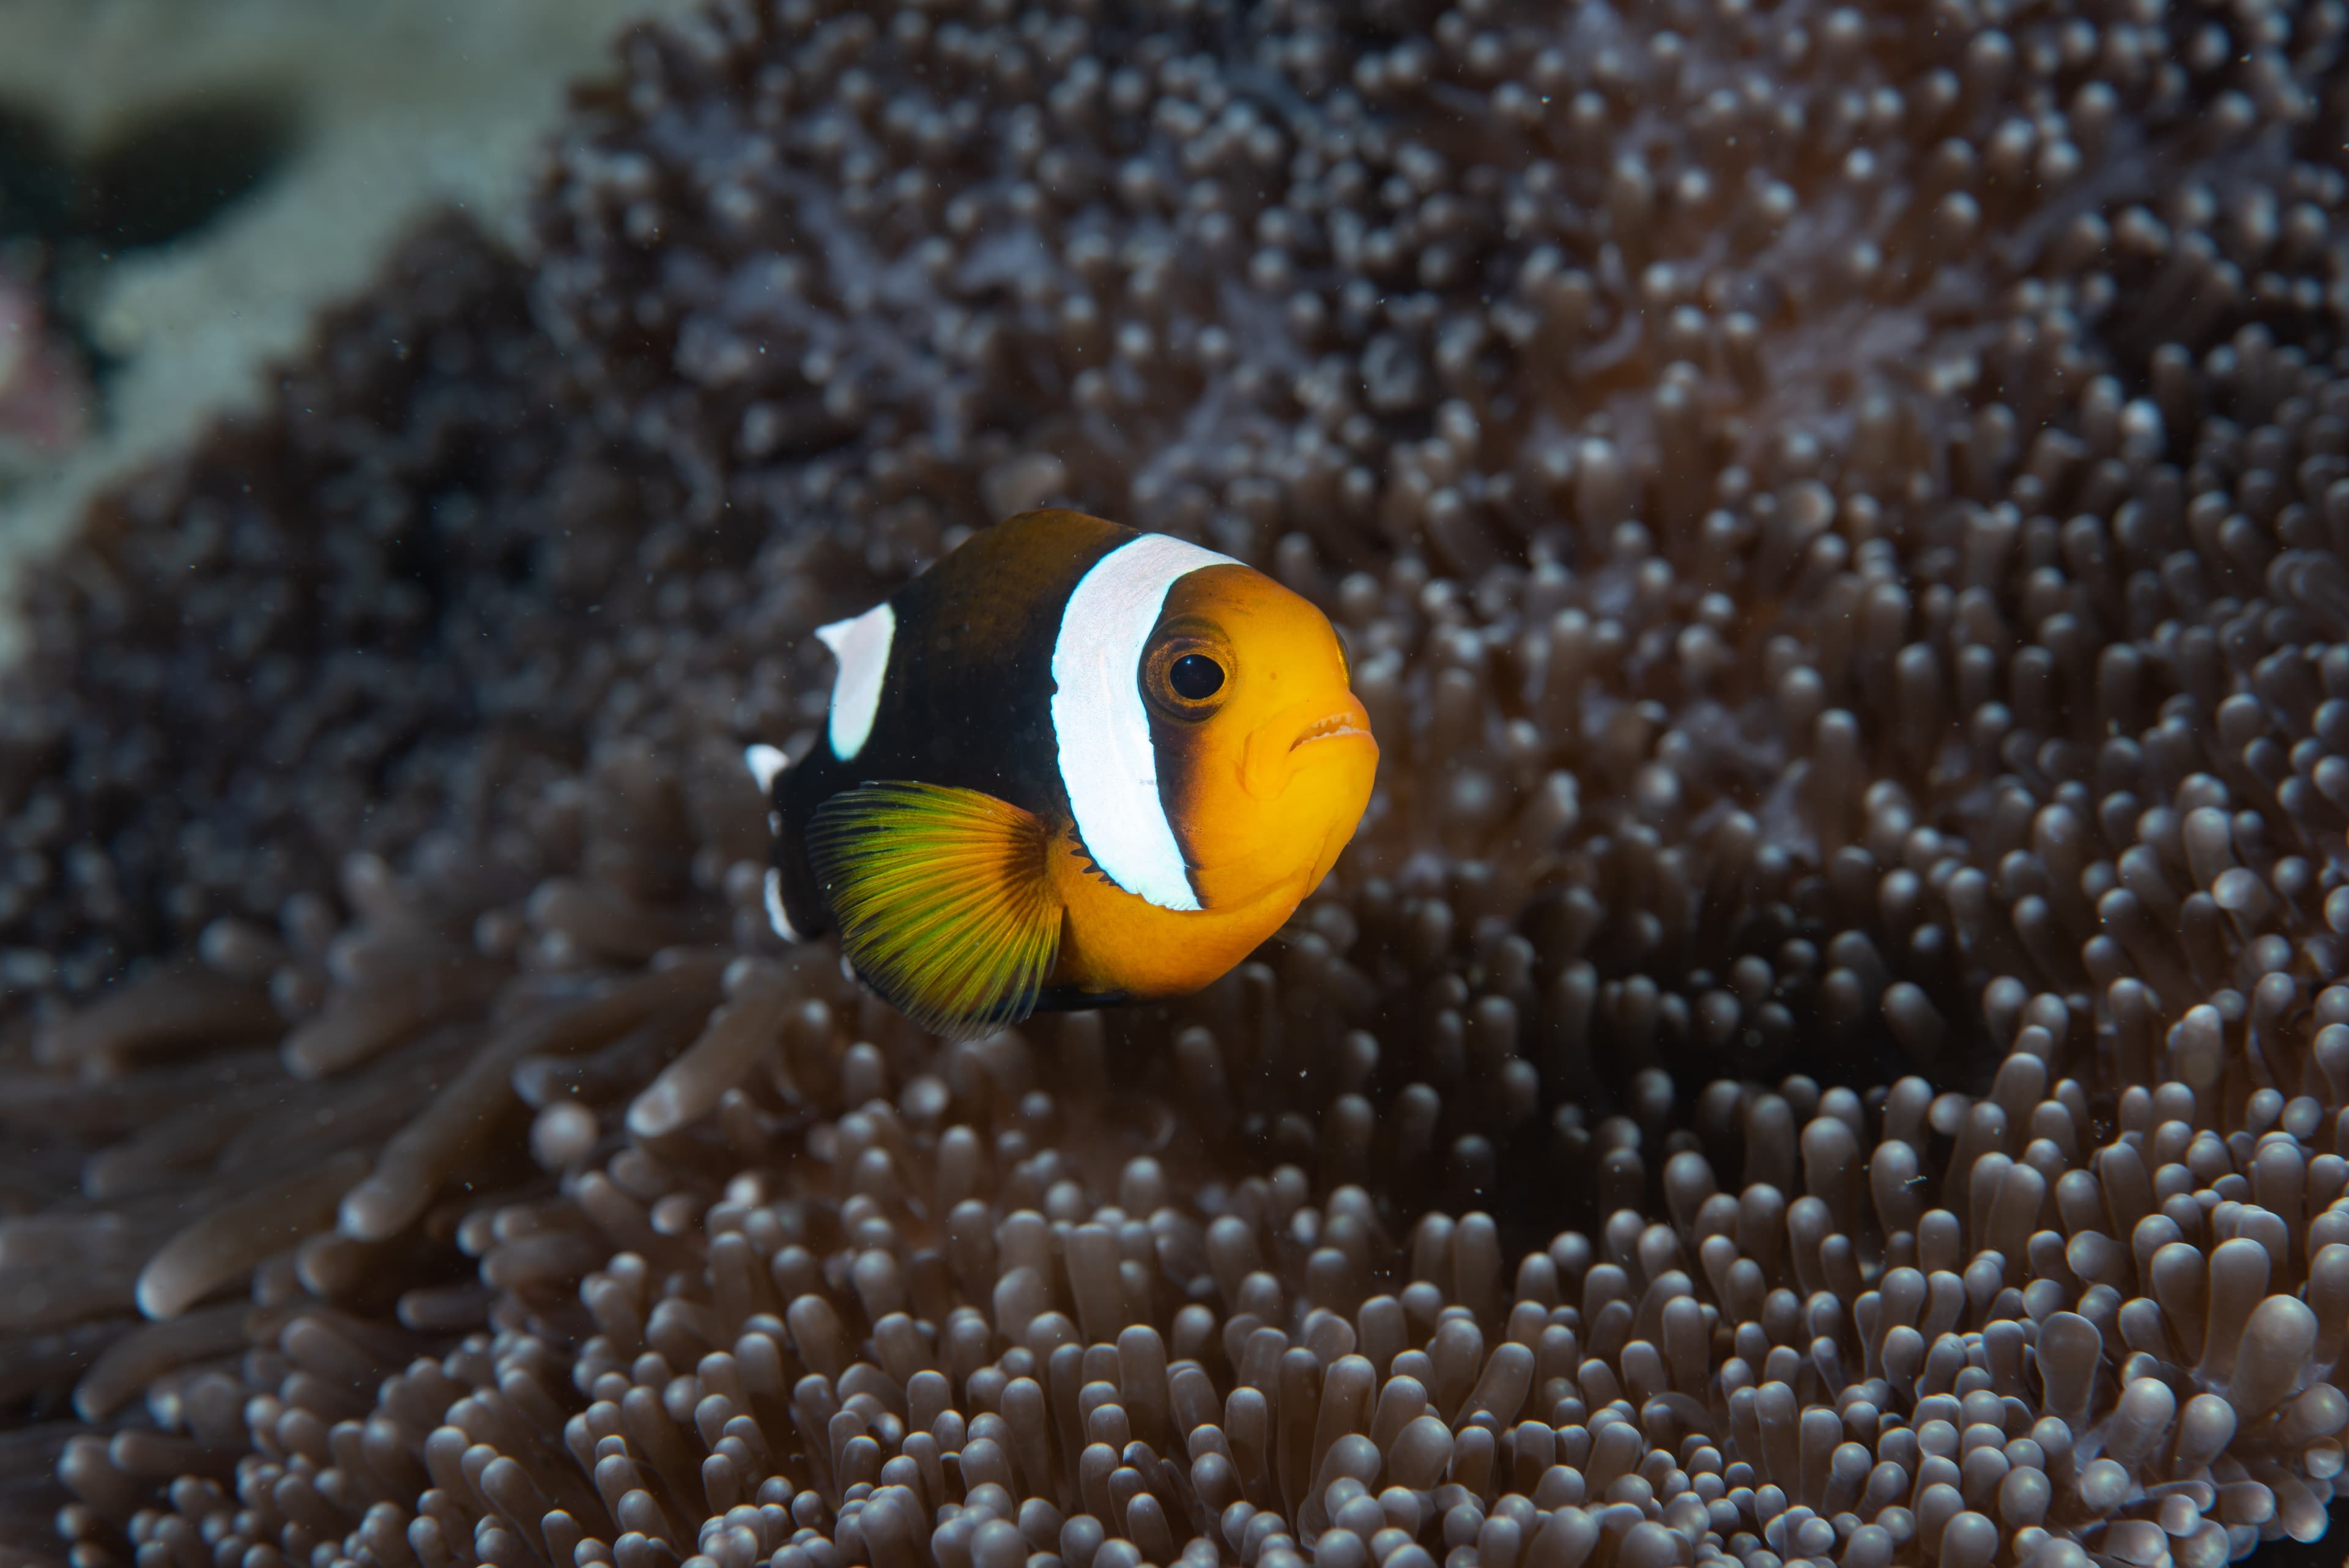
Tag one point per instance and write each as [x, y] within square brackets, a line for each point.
[1112, 940]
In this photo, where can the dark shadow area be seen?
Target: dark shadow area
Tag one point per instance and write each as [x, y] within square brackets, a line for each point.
[2324, 1552]
[36, 177]
[174, 169]
[164, 175]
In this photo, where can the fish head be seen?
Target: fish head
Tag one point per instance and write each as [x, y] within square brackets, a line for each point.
[1266, 756]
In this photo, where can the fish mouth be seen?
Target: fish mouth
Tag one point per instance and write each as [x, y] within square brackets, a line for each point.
[1333, 727]
[1308, 734]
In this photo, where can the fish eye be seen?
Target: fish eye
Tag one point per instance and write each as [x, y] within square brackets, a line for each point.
[1188, 673]
[1196, 677]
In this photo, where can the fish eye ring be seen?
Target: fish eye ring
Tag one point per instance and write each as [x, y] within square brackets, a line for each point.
[1187, 675]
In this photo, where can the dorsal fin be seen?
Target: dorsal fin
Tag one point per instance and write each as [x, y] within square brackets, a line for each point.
[942, 899]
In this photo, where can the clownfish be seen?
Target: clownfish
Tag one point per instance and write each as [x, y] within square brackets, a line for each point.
[1068, 765]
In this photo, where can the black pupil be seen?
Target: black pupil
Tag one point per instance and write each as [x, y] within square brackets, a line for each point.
[1196, 677]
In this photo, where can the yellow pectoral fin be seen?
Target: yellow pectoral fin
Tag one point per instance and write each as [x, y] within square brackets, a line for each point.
[944, 901]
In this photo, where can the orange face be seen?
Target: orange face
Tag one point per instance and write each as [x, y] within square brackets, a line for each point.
[1265, 755]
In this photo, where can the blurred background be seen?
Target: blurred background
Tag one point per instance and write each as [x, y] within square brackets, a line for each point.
[183, 183]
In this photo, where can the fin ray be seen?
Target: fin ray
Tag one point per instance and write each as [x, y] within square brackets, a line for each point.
[943, 901]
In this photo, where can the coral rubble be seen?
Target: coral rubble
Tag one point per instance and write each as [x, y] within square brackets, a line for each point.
[1826, 1047]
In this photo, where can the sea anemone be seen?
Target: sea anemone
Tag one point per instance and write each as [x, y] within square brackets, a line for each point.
[1826, 1045]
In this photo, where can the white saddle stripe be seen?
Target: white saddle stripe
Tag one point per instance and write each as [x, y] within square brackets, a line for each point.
[1099, 724]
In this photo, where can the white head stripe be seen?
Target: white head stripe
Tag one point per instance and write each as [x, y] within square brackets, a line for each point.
[1107, 763]
[862, 647]
[764, 762]
[775, 916]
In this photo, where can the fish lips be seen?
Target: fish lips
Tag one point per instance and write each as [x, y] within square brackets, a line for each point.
[1305, 735]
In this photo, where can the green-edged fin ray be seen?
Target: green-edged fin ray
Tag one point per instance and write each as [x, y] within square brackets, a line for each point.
[943, 899]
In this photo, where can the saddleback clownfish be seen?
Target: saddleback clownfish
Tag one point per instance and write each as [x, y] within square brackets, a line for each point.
[1068, 764]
